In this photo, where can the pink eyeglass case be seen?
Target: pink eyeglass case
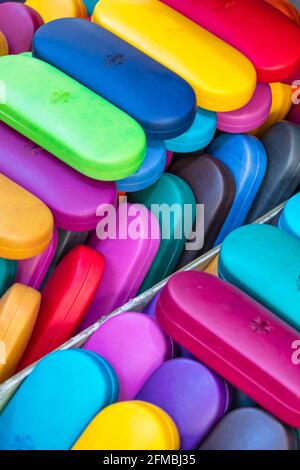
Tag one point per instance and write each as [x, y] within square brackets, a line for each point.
[235, 336]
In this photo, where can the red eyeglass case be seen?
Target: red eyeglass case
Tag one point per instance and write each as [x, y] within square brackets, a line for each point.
[66, 298]
[262, 33]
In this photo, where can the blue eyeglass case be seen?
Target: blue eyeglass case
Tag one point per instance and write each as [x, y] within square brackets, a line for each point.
[150, 171]
[282, 144]
[161, 101]
[264, 262]
[8, 273]
[198, 136]
[246, 158]
[56, 402]
[290, 217]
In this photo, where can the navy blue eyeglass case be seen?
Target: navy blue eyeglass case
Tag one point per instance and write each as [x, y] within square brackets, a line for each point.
[161, 101]
[246, 157]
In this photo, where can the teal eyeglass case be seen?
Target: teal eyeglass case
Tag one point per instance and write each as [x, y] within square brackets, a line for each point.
[264, 262]
[290, 217]
[8, 273]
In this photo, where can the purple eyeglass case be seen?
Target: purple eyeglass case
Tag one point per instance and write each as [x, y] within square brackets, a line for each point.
[194, 396]
[294, 115]
[72, 197]
[134, 345]
[32, 271]
[127, 261]
[249, 117]
[250, 429]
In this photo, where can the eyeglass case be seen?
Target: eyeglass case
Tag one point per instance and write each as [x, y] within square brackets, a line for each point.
[3, 45]
[246, 158]
[56, 402]
[58, 9]
[235, 336]
[249, 117]
[204, 398]
[90, 5]
[96, 138]
[66, 298]
[272, 280]
[150, 171]
[287, 8]
[282, 178]
[213, 186]
[26, 223]
[290, 217]
[130, 425]
[103, 62]
[72, 197]
[31, 272]
[8, 272]
[18, 23]
[250, 429]
[294, 115]
[19, 308]
[198, 136]
[168, 190]
[141, 347]
[222, 78]
[128, 257]
[247, 26]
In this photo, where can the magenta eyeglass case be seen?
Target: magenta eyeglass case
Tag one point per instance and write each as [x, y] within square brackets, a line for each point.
[127, 259]
[72, 197]
[134, 345]
[235, 336]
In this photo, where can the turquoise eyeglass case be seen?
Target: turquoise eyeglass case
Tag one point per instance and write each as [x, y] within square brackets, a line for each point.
[198, 136]
[290, 217]
[264, 262]
[246, 158]
[8, 273]
[168, 190]
[57, 401]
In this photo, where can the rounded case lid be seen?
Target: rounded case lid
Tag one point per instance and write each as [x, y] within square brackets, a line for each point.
[50, 11]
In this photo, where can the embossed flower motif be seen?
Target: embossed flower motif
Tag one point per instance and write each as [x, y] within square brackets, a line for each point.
[60, 96]
[23, 442]
[115, 59]
[32, 148]
[298, 283]
[226, 5]
[261, 326]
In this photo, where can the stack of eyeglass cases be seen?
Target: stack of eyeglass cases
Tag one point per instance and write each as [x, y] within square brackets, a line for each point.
[150, 223]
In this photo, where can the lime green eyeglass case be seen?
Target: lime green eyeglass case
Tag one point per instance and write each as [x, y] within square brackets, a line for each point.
[77, 126]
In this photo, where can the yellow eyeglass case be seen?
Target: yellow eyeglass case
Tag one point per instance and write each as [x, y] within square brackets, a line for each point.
[3, 45]
[281, 104]
[26, 223]
[131, 425]
[223, 79]
[19, 308]
[54, 9]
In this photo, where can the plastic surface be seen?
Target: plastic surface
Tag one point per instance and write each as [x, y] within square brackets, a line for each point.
[264, 262]
[246, 158]
[54, 9]
[169, 190]
[97, 139]
[247, 26]
[204, 398]
[56, 402]
[198, 136]
[32, 271]
[104, 63]
[73, 198]
[66, 298]
[230, 332]
[90, 5]
[131, 425]
[3, 45]
[26, 224]
[141, 347]
[250, 429]
[128, 258]
[18, 23]
[294, 115]
[251, 116]
[213, 185]
[282, 178]
[19, 308]
[287, 8]
[290, 217]
[8, 272]
[222, 78]
[150, 171]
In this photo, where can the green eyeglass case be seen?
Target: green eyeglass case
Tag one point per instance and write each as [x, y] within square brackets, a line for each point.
[73, 123]
[264, 262]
